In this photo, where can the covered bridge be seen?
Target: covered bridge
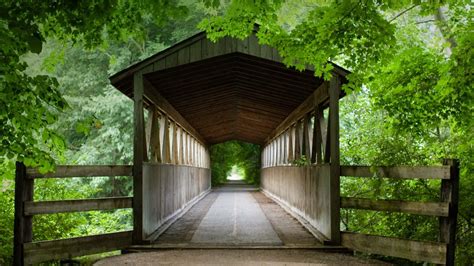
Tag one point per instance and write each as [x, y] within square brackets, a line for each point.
[198, 93]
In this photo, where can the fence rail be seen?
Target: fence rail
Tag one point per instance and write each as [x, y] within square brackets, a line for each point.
[441, 252]
[406, 172]
[27, 252]
[73, 247]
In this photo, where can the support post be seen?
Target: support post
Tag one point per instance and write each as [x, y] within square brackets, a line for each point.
[317, 137]
[23, 230]
[138, 158]
[166, 141]
[155, 137]
[447, 225]
[290, 146]
[297, 141]
[306, 149]
[335, 205]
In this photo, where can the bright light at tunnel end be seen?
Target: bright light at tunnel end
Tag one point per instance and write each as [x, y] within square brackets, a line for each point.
[235, 173]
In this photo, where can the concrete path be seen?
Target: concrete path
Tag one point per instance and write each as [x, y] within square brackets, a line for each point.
[236, 218]
[236, 227]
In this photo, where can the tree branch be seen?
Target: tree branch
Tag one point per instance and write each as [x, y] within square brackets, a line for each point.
[425, 21]
[403, 12]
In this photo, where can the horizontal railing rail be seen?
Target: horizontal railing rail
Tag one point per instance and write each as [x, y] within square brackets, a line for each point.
[407, 172]
[63, 171]
[62, 206]
[441, 252]
[28, 252]
[73, 247]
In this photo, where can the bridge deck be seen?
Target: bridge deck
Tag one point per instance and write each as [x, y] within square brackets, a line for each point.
[236, 217]
[237, 225]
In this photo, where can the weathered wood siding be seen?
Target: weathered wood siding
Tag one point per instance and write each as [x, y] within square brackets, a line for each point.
[167, 189]
[303, 189]
[202, 48]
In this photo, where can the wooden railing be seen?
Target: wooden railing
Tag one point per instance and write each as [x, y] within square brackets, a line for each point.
[441, 252]
[28, 252]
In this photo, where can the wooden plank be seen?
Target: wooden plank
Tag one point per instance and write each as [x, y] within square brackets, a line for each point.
[450, 196]
[155, 138]
[320, 95]
[183, 56]
[305, 148]
[195, 53]
[181, 146]
[327, 142]
[266, 52]
[243, 46]
[138, 158]
[161, 103]
[73, 247]
[171, 60]
[175, 144]
[335, 169]
[148, 126]
[316, 156]
[297, 140]
[82, 171]
[166, 141]
[83, 205]
[290, 146]
[22, 227]
[412, 207]
[254, 46]
[285, 147]
[158, 57]
[388, 246]
[423, 172]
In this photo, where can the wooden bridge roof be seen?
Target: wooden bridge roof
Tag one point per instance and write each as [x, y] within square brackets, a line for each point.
[229, 90]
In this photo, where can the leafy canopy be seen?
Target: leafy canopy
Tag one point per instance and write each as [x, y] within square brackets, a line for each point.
[31, 103]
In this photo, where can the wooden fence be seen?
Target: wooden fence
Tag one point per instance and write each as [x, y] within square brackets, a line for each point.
[441, 252]
[28, 252]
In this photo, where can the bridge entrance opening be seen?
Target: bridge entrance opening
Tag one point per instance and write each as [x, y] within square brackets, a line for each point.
[236, 173]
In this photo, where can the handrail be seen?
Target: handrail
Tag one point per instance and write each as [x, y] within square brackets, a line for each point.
[441, 252]
[63, 171]
[27, 251]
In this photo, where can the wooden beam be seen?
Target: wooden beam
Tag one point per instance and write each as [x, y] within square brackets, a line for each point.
[61, 206]
[174, 146]
[290, 146]
[181, 146]
[297, 140]
[319, 96]
[423, 172]
[305, 148]
[335, 205]
[166, 141]
[412, 207]
[63, 171]
[155, 138]
[388, 246]
[22, 226]
[316, 156]
[327, 141]
[152, 94]
[450, 195]
[73, 247]
[138, 158]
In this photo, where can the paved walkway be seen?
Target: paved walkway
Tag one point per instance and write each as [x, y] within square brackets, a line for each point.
[258, 231]
[236, 217]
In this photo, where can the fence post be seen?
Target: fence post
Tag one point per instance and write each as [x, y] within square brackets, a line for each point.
[22, 224]
[450, 194]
